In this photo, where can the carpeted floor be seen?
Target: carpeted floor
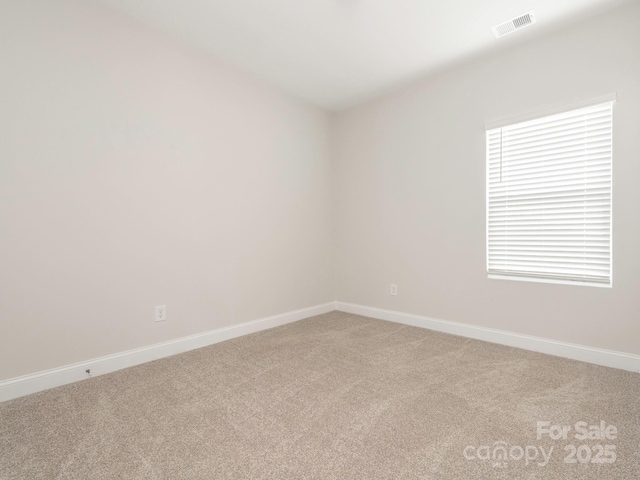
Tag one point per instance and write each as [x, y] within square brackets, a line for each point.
[337, 396]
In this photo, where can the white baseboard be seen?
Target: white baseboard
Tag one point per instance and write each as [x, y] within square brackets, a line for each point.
[25, 385]
[598, 356]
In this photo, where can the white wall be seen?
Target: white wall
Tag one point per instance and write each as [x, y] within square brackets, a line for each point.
[137, 171]
[410, 189]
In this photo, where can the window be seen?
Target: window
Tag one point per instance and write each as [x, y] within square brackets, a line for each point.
[549, 198]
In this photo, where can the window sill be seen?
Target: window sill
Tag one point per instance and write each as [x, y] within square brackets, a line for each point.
[548, 280]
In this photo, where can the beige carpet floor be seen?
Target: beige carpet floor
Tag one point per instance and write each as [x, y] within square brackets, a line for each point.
[337, 396]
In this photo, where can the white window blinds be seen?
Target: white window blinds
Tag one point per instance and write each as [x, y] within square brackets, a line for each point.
[549, 197]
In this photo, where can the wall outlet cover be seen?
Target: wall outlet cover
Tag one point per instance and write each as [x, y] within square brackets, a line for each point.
[161, 313]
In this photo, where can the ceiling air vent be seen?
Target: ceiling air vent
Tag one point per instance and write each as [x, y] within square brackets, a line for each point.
[514, 24]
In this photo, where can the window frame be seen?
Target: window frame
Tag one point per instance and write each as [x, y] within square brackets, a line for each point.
[531, 117]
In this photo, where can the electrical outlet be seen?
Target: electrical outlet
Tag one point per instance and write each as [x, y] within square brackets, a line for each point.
[161, 313]
[394, 289]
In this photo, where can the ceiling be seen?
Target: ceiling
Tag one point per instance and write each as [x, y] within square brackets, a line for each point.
[336, 53]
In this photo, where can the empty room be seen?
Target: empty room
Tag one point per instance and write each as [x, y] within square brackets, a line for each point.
[320, 239]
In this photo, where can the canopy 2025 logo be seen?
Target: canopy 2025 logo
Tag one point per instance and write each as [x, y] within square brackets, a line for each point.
[585, 451]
